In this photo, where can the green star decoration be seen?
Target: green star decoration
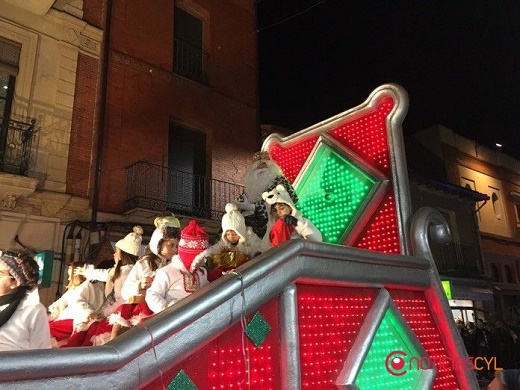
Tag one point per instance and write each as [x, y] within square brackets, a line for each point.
[181, 382]
[257, 329]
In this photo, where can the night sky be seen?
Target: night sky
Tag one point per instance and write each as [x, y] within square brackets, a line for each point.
[458, 60]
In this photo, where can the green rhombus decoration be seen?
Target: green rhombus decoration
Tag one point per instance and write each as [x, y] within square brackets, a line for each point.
[257, 329]
[182, 382]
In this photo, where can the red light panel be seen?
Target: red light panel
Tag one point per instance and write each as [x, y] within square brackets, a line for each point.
[291, 159]
[329, 319]
[414, 308]
[367, 135]
[381, 233]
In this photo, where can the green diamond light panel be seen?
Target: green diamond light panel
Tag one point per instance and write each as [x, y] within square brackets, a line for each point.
[332, 193]
[257, 329]
[181, 382]
[390, 337]
[386, 353]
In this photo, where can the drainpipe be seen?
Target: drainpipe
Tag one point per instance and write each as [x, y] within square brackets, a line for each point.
[102, 116]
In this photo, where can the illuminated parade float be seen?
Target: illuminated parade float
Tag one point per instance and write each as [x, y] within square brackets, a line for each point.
[363, 310]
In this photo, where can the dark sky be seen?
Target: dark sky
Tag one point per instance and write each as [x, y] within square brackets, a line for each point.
[459, 61]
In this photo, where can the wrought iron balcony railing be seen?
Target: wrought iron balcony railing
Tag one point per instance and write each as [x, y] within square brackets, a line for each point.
[154, 187]
[15, 145]
[457, 260]
[190, 61]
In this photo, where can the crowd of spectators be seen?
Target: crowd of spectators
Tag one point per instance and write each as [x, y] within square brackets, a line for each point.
[498, 342]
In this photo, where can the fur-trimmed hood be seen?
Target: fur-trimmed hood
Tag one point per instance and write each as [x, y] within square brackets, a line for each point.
[279, 195]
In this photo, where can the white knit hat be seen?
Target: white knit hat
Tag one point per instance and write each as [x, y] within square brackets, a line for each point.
[233, 220]
[161, 232]
[132, 242]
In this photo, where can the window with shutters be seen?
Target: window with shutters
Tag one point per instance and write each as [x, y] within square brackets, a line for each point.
[189, 190]
[9, 57]
[15, 136]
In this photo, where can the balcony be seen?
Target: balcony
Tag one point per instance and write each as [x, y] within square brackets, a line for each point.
[15, 145]
[457, 260]
[153, 187]
[190, 61]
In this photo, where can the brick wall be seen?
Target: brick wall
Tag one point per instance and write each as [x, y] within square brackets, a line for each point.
[94, 12]
[85, 118]
[83, 139]
[144, 95]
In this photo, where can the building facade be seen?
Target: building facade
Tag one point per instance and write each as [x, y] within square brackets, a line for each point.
[460, 262]
[114, 112]
[181, 96]
[42, 43]
[490, 172]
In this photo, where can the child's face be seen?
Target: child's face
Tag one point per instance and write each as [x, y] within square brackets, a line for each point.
[232, 236]
[169, 248]
[7, 282]
[281, 209]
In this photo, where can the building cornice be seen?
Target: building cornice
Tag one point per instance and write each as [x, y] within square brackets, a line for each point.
[57, 25]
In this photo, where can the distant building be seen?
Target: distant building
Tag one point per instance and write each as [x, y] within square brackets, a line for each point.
[486, 171]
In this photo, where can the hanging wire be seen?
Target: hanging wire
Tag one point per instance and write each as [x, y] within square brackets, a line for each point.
[291, 17]
[245, 346]
[155, 354]
[243, 322]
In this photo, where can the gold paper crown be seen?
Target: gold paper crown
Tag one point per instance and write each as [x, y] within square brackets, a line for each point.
[261, 156]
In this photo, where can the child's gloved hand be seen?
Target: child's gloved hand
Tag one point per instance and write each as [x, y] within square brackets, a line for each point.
[290, 220]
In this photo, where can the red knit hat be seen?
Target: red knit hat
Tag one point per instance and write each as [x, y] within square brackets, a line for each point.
[194, 240]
